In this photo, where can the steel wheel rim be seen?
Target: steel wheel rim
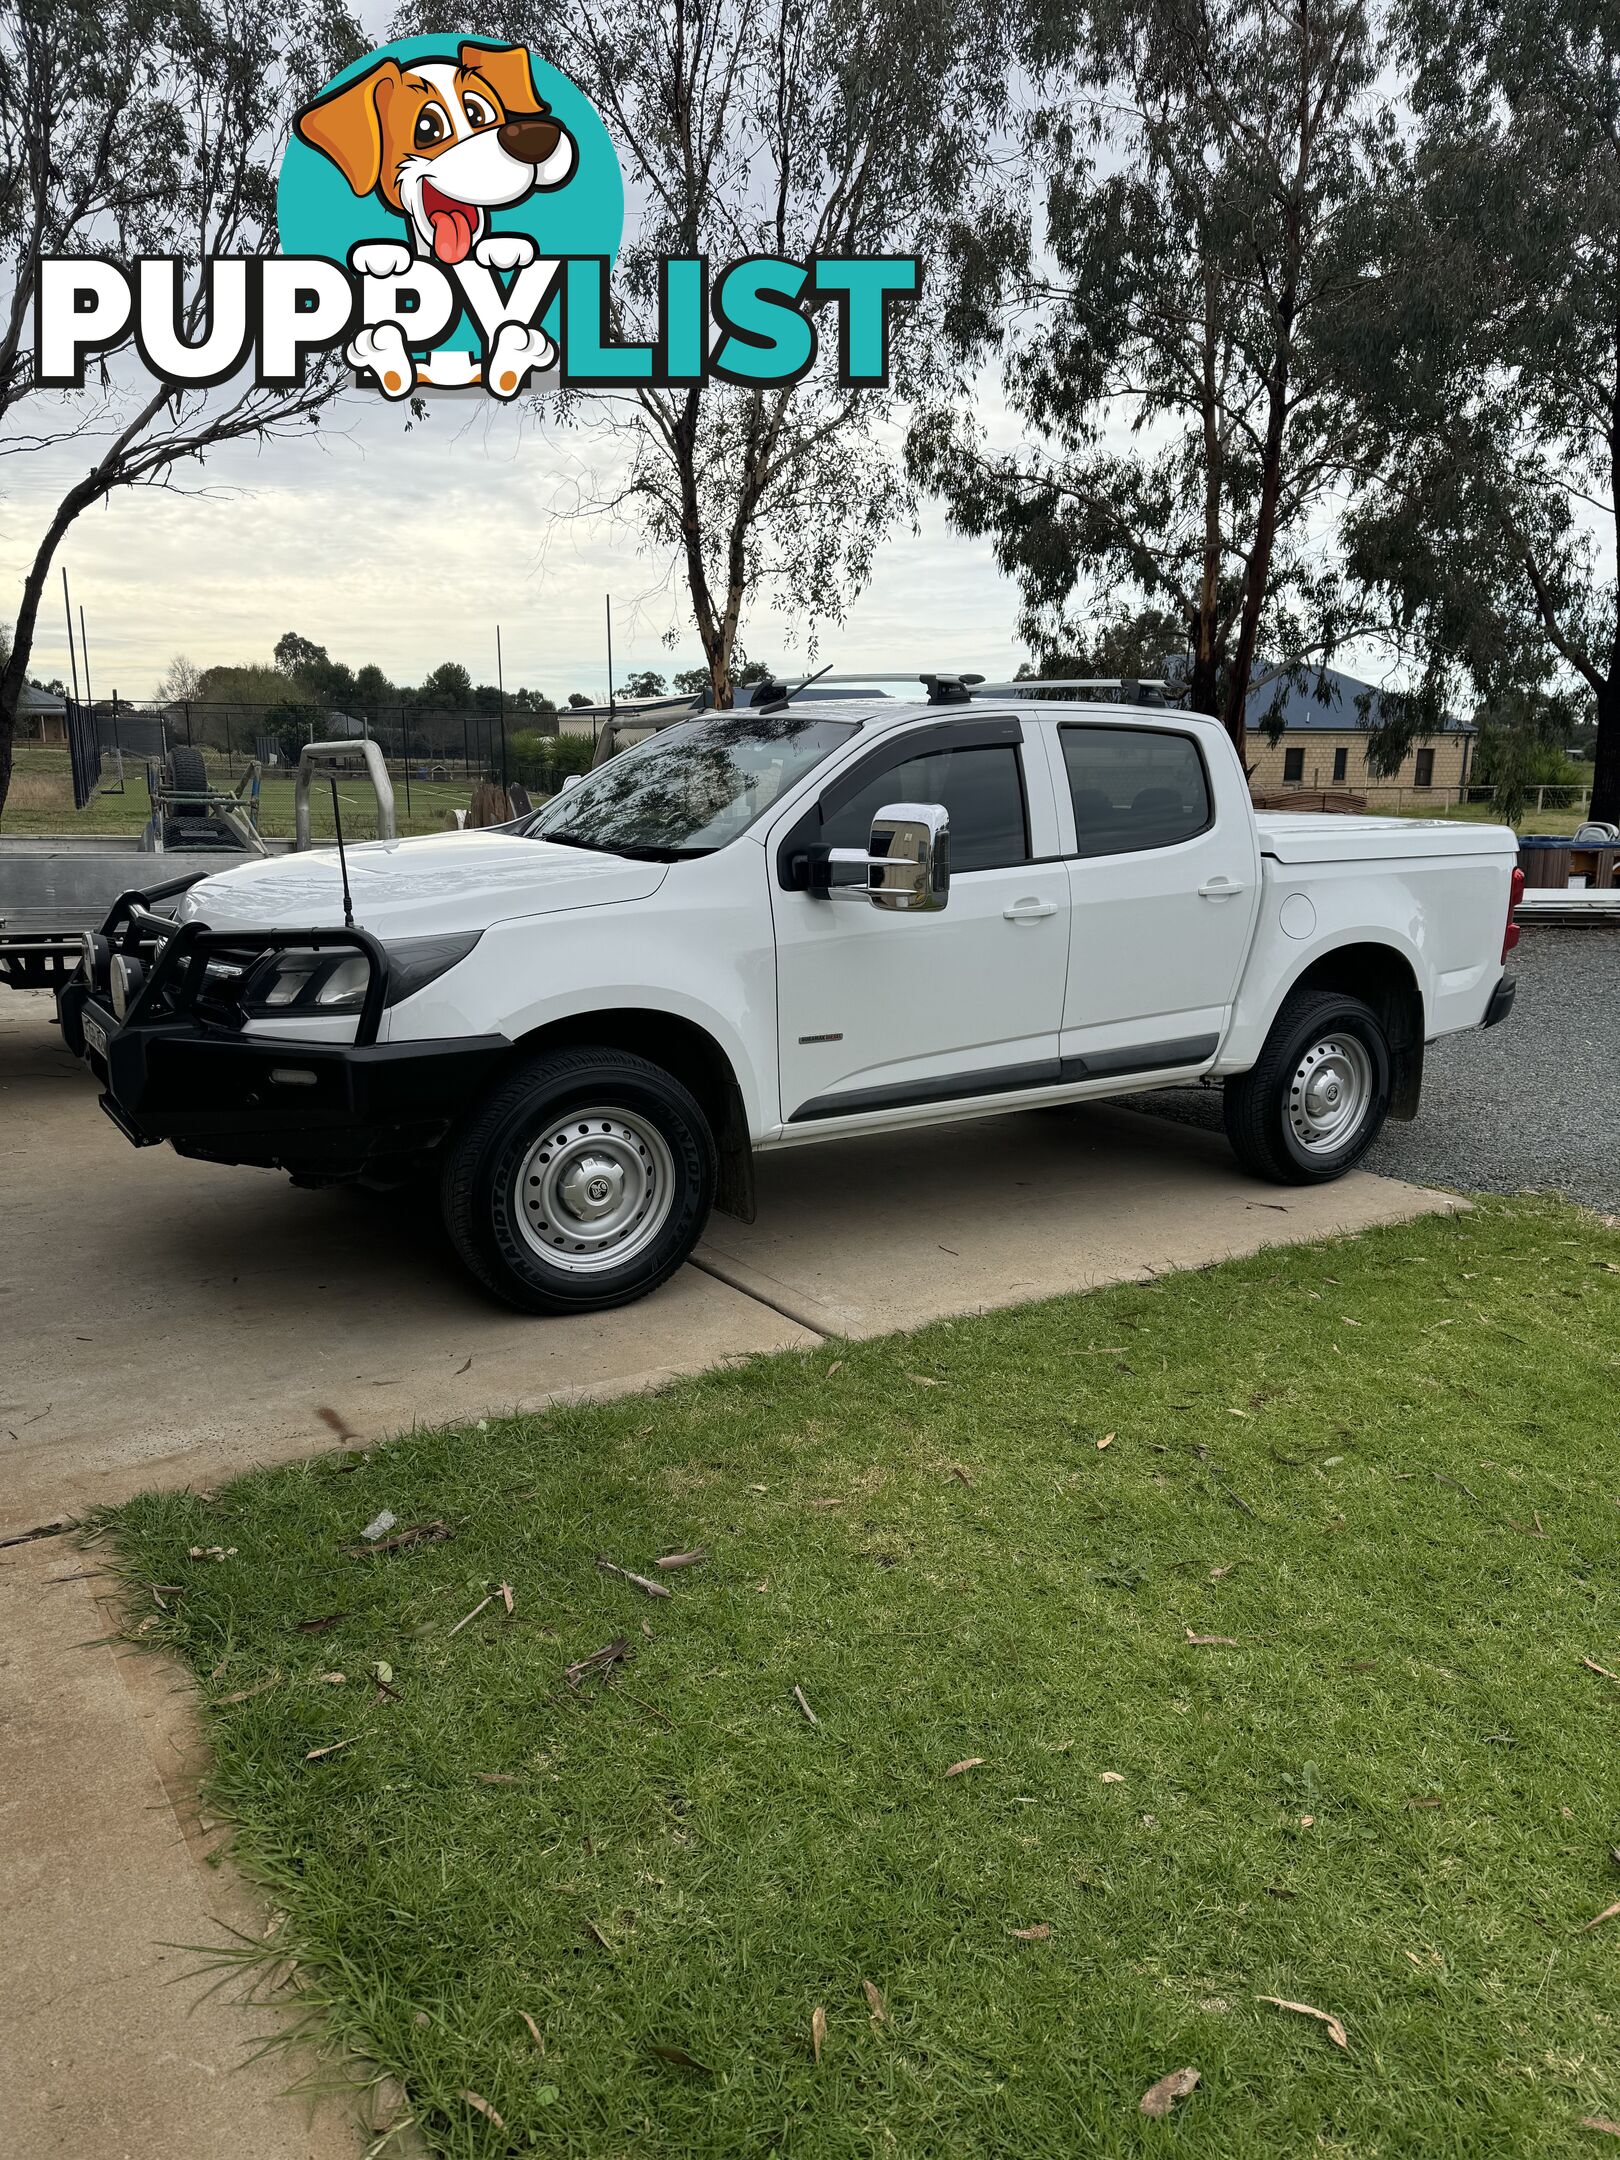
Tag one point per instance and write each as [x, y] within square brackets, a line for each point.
[594, 1190]
[1330, 1093]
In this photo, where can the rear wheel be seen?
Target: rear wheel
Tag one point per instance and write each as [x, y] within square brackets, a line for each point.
[581, 1183]
[1317, 1096]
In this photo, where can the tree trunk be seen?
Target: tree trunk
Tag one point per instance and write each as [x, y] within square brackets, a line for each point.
[22, 638]
[1606, 755]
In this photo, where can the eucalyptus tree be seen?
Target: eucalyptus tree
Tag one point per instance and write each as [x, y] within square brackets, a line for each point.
[1171, 282]
[1491, 523]
[139, 127]
[789, 128]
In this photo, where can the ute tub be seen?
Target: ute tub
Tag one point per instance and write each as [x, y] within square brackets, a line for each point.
[1290, 836]
[1311, 837]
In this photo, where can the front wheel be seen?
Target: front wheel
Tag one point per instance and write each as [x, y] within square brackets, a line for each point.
[1316, 1099]
[582, 1182]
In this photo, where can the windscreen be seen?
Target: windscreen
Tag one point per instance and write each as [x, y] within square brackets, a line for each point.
[692, 788]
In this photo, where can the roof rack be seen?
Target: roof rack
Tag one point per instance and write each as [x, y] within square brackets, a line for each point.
[1130, 688]
[948, 688]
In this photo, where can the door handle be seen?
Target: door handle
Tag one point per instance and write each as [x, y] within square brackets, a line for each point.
[1219, 888]
[1029, 910]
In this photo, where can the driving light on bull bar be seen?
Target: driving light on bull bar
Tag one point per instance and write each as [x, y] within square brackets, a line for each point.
[124, 979]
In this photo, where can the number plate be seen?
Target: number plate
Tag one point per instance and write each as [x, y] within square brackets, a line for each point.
[95, 1037]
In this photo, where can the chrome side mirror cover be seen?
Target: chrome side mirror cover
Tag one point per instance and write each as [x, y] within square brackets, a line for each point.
[907, 860]
[911, 858]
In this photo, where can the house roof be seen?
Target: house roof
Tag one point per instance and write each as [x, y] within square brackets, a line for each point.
[1334, 712]
[35, 700]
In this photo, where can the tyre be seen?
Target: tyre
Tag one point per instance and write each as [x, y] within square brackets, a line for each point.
[188, 772]
[1317, 1097]
[580, 1183]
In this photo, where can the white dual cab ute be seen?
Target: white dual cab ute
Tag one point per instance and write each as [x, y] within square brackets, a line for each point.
[798, 921]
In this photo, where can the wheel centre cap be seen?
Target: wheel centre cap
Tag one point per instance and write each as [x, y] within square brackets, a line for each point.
[1324, 1093]
[591, 1187]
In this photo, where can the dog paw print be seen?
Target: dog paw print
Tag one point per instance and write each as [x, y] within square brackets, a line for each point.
[516, 352]
[381, 352]
[505, 251]
[380, 258]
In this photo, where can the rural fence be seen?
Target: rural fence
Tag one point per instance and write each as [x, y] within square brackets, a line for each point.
[434, 757]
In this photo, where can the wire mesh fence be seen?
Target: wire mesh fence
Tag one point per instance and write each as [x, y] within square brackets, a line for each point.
[437, 760]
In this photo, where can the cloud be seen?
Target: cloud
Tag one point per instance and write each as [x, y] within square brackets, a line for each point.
[407, 546]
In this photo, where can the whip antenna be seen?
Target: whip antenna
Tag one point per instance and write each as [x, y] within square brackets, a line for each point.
[343, 860]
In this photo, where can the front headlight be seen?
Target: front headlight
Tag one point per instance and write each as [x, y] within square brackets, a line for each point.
[302, 980]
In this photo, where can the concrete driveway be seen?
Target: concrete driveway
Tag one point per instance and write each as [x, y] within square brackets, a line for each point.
[169, 1322]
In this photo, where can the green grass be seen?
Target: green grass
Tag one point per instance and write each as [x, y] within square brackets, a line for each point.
[41, 801]
[1392, 1796]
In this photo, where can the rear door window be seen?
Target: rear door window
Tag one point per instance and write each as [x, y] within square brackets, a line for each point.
[1133, 788]
[981, 787]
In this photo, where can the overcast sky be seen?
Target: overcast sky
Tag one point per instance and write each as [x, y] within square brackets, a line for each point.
[407, 548]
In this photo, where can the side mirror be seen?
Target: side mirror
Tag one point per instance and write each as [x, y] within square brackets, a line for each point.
[907, 860]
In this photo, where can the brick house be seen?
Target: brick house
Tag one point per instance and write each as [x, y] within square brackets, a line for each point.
[1324, 745]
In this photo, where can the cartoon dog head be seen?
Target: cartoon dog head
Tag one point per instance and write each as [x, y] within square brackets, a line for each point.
[443, 142]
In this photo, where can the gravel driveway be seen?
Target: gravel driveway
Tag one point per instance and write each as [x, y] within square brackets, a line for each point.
[1532, 1103]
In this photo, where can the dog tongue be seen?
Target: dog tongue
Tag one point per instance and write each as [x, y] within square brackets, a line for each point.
[453, 227]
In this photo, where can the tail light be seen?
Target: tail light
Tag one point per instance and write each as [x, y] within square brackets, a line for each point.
[1510, 936]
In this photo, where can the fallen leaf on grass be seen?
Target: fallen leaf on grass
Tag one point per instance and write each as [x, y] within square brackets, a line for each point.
[335, 1679]
[1605, 2123]
[326, 1620]
[798, 1697]
[1597, 1919]
[1427, 1800]
[644, 1583]
[245, 1694]
[960, 1474]
[1239, 1413]
[1335, 2026]
[921, 1379]
[1215, 1575]
[679, 2057]
[1110, 1777]
[1107, 1440]
[506, 1598]
[874, 2001]
[496, 1777]
[837, 1365]
[1592, 1666]
[968, 1762]
[694, 1558]
[1037, 1933]
[426, 1533]
[818, 2031]
[316, 1753]
[1162, 2095]
[534, 2030]
[475, 2100]
[1229, 1642]
[598, 1661]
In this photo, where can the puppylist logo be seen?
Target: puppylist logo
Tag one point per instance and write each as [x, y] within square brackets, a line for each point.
[449, 212]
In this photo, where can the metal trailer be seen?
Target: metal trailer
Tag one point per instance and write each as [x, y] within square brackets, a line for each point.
[56, 890]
